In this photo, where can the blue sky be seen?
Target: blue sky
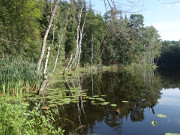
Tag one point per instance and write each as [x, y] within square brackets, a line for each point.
[158, 13]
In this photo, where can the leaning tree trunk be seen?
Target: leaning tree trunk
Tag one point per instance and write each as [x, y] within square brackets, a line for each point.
[41, 90]
[45, 37]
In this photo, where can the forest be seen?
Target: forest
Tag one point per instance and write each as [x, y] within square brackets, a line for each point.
[170, 54]
[40, 39]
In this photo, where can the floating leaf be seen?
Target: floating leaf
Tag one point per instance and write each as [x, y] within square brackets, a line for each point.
[84, 101]
[92, 101]
[75, 101]
[60, 104]
[113, 105]
[85, 97]
[101, 99]
[161, 115]
[172, 134]
[154, 123]
[125, 101]
[105, 103]
[45, 107]
[52, 105]
[91, 98]
[95, 96]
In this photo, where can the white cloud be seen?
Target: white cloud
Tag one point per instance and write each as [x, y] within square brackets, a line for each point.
[171, 97]
[169, 101]
[178, 5]
[169, 30]
[175, 5]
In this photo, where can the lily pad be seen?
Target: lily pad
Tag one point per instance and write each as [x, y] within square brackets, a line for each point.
[95, 96]
[52, 105]
[45, 107]
[100, 99]
[114, 105]
[60, 104]
[91, 98]
[75, 101]
[85, 97]
[172, 134]
[84, 101]
[161, 115]
[105, 103]
[154, 123]
[125, 101]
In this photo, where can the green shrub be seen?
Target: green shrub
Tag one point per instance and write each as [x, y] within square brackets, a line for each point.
[16, 119]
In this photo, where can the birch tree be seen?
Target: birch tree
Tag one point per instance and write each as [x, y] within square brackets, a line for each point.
[45, 37]
[79, 36]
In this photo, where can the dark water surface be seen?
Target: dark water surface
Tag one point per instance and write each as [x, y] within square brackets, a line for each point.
[147, 93]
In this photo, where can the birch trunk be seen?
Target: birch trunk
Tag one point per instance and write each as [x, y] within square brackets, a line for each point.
[92, 53]
[45, 37]
[41, 90]
[67, 65]
[80, 42]
[77, 40]
[57, 56]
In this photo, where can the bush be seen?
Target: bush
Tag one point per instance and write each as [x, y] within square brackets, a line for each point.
[16, 119]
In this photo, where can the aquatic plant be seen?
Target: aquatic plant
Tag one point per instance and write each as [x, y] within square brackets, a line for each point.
[17, 75]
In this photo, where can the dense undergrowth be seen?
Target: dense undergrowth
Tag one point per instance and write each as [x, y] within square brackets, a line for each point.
[17, 119]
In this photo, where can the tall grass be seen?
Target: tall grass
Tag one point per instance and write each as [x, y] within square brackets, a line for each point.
[17, 75]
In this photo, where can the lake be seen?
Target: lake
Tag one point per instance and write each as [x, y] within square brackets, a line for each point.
[118, 103]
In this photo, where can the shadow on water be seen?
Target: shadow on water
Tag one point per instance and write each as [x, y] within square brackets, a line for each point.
[170, 77]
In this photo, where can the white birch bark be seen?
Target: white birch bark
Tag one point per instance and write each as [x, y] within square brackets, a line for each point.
[80, 42]
[41, 90]
[77, 39]
[45, 37]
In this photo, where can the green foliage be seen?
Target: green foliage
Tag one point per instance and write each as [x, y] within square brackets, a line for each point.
[170, 54]
[16, 119]
[129, 42]
[18, 24]
[114, 39]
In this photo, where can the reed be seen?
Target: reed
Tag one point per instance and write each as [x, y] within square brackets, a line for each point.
[17, 76]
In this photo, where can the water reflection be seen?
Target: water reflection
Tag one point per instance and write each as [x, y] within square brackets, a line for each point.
[141, 90]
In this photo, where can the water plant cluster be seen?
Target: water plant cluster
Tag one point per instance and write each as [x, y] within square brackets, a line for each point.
[17, 75]
[17, 119]
[74, 95]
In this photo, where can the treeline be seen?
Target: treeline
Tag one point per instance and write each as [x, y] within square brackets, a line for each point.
[170, 56]
[112, 38]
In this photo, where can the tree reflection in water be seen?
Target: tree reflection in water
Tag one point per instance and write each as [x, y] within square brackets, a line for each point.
[141, 90]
